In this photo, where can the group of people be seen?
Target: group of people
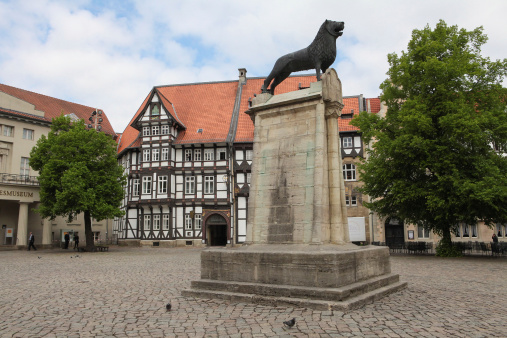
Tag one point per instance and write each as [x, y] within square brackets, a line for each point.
[67, 240]
[31, 241]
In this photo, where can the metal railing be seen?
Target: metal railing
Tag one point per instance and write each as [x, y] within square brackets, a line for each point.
[18, 179]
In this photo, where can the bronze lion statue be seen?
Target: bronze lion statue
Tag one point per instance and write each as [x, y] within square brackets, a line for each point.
[319, 55]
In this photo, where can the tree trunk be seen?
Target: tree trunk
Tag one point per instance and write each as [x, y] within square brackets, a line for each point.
[444, 247]
[90, 245]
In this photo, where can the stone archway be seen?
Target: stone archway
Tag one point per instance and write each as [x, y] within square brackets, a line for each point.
[216, 230]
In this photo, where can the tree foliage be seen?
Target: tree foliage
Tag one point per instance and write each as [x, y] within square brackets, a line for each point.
[431, 162]
[78, 173]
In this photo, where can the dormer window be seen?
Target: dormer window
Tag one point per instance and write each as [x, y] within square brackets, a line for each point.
[155, 111]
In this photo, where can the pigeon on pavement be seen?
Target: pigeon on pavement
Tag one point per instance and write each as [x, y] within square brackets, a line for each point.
[290, 323]
[168, 307]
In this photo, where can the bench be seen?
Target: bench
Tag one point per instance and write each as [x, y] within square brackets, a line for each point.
[102, 248]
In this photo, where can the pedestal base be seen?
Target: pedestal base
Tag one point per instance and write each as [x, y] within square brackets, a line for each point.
[321, 277]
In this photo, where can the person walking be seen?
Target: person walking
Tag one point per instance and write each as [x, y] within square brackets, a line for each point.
[67, 240]
[31, 240]
[76, 242]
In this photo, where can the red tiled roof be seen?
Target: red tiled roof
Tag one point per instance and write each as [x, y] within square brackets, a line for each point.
[130, 134]
[53, 107]
[206, 106]
[374, 105]
[209, 106]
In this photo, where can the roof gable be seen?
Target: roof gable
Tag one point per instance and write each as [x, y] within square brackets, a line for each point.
[47, 107]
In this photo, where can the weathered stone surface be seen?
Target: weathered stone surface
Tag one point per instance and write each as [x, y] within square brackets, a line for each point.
[297, 247]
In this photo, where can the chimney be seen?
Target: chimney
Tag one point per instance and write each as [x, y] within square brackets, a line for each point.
[242, 75]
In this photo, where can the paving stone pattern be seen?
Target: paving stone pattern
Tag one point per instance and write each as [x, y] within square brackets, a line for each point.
[123, 293]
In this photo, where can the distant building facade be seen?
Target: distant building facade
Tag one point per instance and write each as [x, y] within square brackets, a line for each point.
[188, 155]
[24, 117]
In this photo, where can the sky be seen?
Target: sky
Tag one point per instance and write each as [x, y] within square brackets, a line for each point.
[109, 54]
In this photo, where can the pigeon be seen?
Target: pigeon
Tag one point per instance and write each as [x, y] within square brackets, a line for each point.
[290, 323]
[168, 307]
[39, 257]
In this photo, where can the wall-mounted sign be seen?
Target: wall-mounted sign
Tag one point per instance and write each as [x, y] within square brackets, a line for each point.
[14, 193]
[357, 231]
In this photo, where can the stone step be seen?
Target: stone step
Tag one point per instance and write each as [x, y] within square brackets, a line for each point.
[290, 291]
[322, 305]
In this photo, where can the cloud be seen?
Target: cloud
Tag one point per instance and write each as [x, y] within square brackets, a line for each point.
[110, 54]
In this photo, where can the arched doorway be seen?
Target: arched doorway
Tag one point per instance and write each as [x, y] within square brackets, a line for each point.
[394, 233]
[216, 226]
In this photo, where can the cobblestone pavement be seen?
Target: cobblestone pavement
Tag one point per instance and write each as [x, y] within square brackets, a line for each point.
[122, 293]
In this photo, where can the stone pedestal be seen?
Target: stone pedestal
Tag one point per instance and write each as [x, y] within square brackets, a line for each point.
[297, 251]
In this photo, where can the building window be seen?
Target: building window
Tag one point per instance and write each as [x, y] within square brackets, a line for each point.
[147, 222]
[466, 231]
[155, 154]
[353, 201]
[209, 154]
[146, 185]
[165, 154]
[165, 129]
[189, 185]
[221, 154]
[135, 187]
[188, 155]
[209, 184]
[96, 236]
[165, 222]
[156, 222]
[248, 177]
[422, 232]
[349, 172]
[188, 222]
[501, 230]
[146, 131]
[249, 155]
[8, 131]
[197, 154]
[347, 142]
[25, 166]
[350, 201]
[146, 155]
[198, 221]
[473, 230]
[155, 130]
[155, 111]
[162, 184]
[27, 134]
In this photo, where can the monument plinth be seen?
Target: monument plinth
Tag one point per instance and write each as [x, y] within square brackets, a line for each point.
[297, 251]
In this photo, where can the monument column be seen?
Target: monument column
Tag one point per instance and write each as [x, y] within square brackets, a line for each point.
[22, 233]
[46, 232]
[332, 96]
[297, 251]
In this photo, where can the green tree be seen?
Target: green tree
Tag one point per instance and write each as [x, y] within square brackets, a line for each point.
[431, 162]
[78, 173]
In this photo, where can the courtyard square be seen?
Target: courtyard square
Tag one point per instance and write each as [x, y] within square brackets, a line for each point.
[123, 293]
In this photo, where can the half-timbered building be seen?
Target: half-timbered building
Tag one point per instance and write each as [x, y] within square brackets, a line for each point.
[188, 152]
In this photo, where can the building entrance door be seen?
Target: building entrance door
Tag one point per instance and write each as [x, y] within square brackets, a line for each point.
[395, 238]
[217, 230]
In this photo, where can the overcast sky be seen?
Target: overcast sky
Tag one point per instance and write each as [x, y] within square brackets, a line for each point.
[109, 54]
